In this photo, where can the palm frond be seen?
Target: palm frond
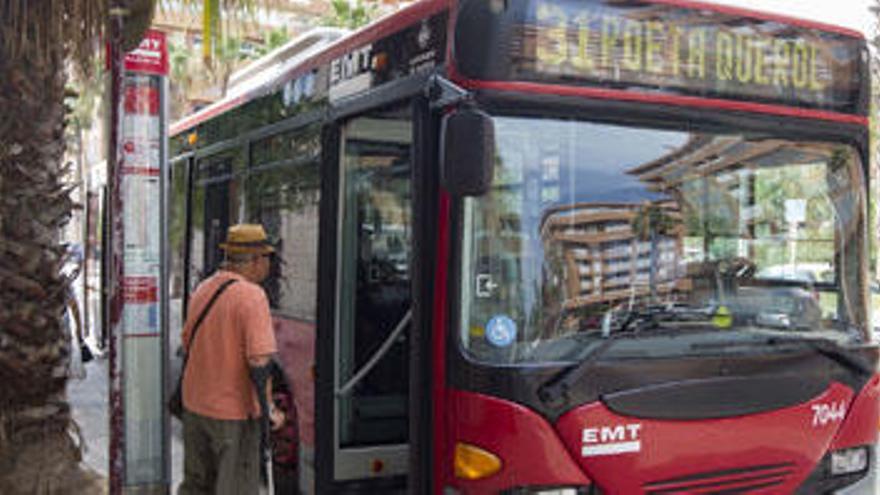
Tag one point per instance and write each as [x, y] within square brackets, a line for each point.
[215, 12]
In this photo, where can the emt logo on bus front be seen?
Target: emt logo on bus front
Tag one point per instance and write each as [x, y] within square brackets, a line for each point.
[699, 51]
[611, 440]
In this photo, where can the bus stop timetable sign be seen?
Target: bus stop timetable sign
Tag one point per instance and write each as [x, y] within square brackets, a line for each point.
[139, 338]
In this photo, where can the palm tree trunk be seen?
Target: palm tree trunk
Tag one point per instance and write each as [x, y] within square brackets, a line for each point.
[39, 450]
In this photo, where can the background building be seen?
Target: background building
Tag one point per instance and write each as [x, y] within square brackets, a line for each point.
[607, 259]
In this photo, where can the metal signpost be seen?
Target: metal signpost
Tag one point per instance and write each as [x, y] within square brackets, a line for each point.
[139, 424]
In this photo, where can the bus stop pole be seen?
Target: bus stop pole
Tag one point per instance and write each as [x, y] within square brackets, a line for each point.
[116, 452]
[139, 422]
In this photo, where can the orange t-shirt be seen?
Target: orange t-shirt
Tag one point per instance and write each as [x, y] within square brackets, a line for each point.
[238, 326]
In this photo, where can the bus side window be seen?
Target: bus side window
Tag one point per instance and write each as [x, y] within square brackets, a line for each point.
[215, 206]
[282, 192]
[177, 226]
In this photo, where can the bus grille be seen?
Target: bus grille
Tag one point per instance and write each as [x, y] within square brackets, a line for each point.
[735, 481]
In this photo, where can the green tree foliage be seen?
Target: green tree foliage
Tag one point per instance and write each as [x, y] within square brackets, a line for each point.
[182, 75]
[215, 14]
[650, 223]
[189, 71]
[350, 15]
[227, 57]
[275, 38]
[653, 220]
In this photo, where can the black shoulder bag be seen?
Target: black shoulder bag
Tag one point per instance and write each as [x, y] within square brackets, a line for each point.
[175, 402]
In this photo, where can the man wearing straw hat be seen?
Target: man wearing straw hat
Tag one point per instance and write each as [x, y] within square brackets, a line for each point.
[228, 334]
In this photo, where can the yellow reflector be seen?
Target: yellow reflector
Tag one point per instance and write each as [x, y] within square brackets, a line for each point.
[473, 463]
[478, 331]
[722, 317]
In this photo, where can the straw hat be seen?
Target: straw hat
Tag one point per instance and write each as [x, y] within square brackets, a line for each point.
[247, 238]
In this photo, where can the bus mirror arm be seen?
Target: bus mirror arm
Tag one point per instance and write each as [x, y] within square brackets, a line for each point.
[442, 92]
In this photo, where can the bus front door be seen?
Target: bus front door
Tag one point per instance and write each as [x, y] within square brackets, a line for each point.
[366, 448]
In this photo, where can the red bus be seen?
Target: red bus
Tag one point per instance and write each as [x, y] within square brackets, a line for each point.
[558, 247]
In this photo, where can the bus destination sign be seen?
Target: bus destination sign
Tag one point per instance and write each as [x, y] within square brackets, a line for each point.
[701, 52]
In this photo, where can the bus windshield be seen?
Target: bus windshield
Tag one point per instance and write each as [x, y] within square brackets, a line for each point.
[593, 231]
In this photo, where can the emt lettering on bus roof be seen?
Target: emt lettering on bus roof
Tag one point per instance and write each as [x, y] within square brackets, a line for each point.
[581, 41]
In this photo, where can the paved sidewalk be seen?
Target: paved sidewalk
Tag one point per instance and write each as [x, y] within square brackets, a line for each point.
[88, 398]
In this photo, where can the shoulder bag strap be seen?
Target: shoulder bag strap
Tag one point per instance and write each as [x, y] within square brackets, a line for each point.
[204, 313]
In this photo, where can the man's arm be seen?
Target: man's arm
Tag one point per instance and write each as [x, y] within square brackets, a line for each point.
[259, 335]
[276, 417]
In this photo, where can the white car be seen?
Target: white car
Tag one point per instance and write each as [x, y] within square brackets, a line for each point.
[798, 272]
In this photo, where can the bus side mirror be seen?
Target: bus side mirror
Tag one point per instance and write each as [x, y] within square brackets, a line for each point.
[467, 154]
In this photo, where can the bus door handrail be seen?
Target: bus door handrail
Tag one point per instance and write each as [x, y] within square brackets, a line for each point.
[377, 356]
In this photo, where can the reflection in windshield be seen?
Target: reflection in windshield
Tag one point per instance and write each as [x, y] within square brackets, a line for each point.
[589, 228]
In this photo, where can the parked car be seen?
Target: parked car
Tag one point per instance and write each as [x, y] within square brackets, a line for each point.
[778, 307]
[798, 272]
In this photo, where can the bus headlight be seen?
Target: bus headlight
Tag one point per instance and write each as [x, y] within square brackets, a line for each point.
[849, 461]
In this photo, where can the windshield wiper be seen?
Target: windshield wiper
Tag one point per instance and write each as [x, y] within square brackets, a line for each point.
[825, 347]
[651, 317]
[829, 349]
[556, 387]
